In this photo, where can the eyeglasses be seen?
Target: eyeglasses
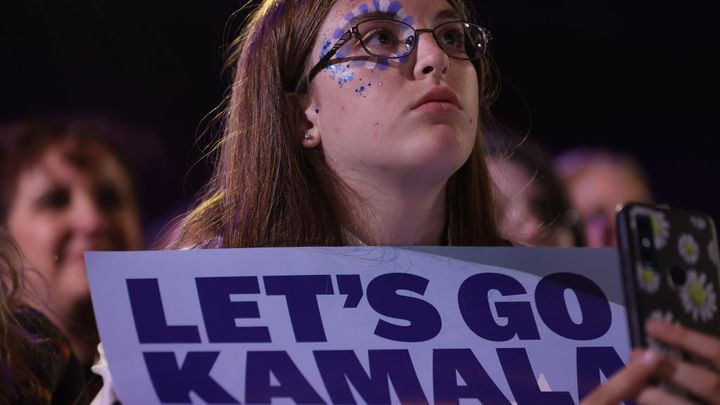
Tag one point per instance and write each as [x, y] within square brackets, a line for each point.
[392, 39]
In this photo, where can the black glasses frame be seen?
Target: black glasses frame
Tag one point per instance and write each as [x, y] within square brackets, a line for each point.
[354, 32]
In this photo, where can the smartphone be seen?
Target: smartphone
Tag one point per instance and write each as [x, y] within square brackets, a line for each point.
[669, 260]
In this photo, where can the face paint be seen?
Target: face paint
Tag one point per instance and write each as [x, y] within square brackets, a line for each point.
[394, 10]
[361, 91]
[338, 71]
[341, 71]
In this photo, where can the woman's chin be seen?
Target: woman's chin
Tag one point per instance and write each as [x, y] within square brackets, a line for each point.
[440, 148]
[429, 169]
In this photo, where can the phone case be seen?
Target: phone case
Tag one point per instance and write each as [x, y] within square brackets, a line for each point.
[669, 260]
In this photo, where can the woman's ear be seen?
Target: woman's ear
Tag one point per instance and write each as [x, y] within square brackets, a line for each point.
[306, 119]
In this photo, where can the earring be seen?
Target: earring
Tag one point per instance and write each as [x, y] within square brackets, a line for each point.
[308, 136]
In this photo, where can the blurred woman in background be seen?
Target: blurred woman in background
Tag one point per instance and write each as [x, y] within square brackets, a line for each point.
[63, 191]
[598, 182]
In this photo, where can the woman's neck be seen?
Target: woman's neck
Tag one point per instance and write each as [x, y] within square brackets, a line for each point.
[397, 216]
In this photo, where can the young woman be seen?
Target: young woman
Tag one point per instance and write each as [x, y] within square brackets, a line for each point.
[330, 140]
[360, 122]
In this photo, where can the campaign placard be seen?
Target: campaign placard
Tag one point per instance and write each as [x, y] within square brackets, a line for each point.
[359, 324]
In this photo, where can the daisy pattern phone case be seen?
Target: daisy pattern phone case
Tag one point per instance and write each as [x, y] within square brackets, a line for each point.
[669, 260]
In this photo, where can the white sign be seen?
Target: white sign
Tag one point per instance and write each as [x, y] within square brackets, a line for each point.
[360, 324]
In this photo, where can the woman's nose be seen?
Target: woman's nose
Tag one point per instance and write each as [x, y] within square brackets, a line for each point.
[87, 215]
[431, 59]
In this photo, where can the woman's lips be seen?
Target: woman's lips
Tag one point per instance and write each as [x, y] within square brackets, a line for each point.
[437, 106]
[438, 99]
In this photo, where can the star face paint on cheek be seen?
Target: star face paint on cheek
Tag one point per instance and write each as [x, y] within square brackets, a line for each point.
[363, 89]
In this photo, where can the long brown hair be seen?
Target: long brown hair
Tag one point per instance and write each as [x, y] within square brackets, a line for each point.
[267, 190]
[14, 345]
[10, 278]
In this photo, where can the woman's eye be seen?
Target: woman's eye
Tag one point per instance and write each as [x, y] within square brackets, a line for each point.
[454, 38]
[108, 198]
[379, 37]
[54, 199]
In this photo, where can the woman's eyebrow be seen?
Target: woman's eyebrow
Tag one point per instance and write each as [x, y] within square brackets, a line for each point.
[370, 15]
[447, 14]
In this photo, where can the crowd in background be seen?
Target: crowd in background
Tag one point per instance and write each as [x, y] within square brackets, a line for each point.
[73, 183]
[65, 188]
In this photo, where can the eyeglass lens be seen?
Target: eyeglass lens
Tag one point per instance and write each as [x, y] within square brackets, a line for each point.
[394, 39]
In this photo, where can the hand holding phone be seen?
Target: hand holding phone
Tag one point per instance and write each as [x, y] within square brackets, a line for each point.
[671, 269]
[671, 274]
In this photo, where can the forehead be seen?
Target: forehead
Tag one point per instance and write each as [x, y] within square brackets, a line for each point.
[73, 163]
[418, 10]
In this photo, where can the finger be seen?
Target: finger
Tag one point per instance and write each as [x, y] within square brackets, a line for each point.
[655, 395]
[636, 354]
[627, 382]
[693, 378]
[699, 344]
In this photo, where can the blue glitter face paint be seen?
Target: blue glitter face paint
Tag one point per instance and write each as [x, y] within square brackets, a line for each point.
[341, 72]
[394, 10]
[361, 91]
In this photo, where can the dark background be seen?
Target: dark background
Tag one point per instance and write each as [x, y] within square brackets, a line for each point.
[638, 76]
